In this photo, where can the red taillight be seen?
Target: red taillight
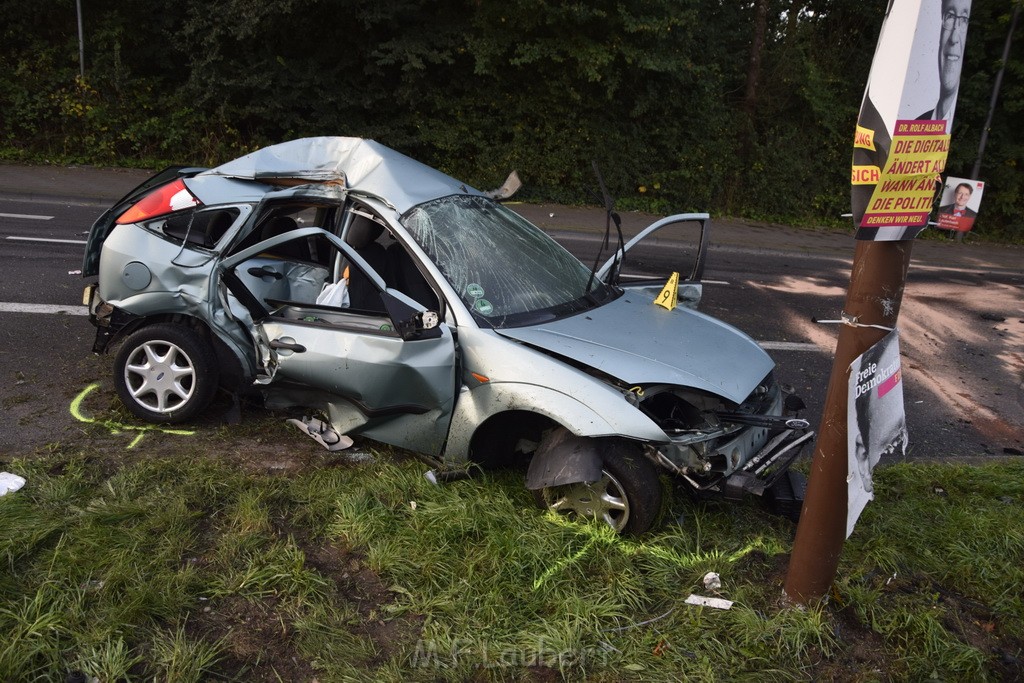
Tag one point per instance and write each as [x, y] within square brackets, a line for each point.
[163, 200]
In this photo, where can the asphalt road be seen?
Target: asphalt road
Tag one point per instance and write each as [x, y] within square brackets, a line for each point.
[962, 322]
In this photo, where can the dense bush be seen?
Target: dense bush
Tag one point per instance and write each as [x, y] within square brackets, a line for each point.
[744, 108]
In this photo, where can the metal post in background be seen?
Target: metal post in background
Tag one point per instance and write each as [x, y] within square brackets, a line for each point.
[81, 41]
[976, 171]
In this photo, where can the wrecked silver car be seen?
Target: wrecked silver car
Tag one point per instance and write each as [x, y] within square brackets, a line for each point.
[387, 300]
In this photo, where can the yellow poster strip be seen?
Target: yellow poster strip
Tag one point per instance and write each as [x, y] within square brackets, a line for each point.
[864, 138]
[865, 175]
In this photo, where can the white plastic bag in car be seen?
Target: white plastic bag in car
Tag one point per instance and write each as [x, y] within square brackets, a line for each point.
[334, 294]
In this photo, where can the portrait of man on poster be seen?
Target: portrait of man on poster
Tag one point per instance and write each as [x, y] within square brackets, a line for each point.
[960, 203]
[952, 38]
[876, 422]
[961, 195]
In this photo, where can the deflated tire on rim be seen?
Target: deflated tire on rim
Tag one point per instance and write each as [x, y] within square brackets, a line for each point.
[627, 497]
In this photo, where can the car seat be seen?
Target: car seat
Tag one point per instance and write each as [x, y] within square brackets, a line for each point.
[362, 236]
[296, 250]
[408, 279]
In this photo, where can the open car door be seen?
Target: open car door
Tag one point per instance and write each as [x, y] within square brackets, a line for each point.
[676, 243]
[684, 235]
[386, 372]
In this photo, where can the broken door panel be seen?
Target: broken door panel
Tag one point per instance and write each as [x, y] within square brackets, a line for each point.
[402, 391]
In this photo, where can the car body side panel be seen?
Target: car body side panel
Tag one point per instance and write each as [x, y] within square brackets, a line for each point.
[583, 418]
[404, 390]
[136, 262]
[172, 289]
[522, 378]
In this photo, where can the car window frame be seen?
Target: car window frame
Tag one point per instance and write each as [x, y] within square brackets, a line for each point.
[695, 274]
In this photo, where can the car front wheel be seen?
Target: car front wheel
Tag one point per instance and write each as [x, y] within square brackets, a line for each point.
[165, 373]
[627, 497]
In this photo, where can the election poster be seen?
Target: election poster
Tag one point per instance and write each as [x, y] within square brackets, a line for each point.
[876, 422]
[958, 207]
[902, 136]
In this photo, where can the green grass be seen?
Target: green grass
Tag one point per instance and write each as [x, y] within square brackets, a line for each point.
[190, 567]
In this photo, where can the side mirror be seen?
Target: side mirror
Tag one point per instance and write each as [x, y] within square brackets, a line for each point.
[507, 189]
[690, 294]
[410, 323]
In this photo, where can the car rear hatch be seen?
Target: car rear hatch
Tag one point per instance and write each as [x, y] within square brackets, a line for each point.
[105, 223]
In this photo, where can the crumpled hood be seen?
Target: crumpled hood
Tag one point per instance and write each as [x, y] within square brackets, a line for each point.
[637, 342]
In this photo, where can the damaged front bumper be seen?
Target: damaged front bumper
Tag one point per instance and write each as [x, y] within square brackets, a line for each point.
[759, 473]
[740, 450]
[768, 466]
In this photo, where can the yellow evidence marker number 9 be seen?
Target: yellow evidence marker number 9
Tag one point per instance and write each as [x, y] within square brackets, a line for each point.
[669, 295]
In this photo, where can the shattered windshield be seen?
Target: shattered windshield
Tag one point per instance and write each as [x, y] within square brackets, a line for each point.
[505, 269]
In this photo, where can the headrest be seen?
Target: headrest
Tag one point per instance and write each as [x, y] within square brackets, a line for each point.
[363, 232]
[278, 225]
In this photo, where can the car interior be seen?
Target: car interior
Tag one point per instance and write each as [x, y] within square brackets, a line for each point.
[200, 228]
[288, 278]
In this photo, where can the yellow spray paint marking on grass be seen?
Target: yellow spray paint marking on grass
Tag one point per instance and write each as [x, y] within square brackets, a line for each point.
[606, 536]
[117, 427]
[562, 564]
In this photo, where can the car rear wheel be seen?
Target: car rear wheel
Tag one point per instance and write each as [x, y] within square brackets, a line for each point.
[165, 373]
[627, 497]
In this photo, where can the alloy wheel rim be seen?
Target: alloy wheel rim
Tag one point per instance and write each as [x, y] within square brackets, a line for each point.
[160, 376]
[603, 500]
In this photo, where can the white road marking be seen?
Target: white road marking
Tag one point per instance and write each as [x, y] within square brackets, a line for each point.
[788, 346]
[82, 310]
[26, 216]
[44, 239]
[638, 276]
[73, 309]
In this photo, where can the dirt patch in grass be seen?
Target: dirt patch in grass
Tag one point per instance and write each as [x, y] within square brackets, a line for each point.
[860, 650]
[361, 587]
[980, 628]
[259, 636]
[257, 640]
[862, 654]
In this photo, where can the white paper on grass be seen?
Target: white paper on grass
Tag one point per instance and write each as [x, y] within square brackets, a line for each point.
[9, 483]
[702, 601]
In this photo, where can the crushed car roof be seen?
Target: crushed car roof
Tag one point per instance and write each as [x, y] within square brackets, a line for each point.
[361, 165]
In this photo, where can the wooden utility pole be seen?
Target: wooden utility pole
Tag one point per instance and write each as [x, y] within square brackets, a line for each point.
[876, 290]
[896, 158]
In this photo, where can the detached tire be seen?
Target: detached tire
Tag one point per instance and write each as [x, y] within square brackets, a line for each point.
[165, 373]
[628, 497]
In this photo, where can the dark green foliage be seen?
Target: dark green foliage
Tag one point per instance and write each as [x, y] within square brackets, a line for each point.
[662, 94]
